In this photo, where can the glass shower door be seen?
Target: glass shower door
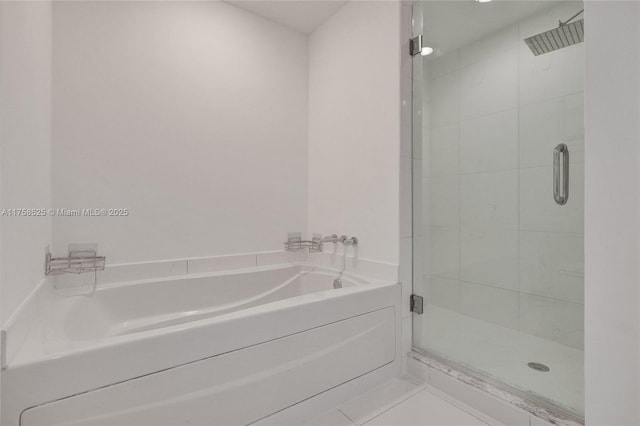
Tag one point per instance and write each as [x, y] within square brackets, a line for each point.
[499, 197]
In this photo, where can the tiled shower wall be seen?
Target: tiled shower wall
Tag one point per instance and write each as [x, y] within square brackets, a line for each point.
[499, 248]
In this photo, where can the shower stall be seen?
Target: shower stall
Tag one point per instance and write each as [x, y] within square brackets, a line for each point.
[498, 194]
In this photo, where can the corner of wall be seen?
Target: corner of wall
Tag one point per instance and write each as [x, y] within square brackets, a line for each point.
[612, 209]
[348, 123]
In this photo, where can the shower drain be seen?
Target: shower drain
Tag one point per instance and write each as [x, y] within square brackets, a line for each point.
[538, 366]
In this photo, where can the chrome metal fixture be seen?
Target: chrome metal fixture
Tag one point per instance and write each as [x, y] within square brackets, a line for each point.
[337, 283]
[561, 174]
[315, 244]
[76, 262]
[296, 243]
[538, 366]
[416, 304]
[416, 47]
[333, 238]
[353, 241]
[567, 34]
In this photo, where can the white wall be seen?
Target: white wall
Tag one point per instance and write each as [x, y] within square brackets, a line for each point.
[25, 148]
[501, 250]
[354, 127]
[612, 213]
[193, 115]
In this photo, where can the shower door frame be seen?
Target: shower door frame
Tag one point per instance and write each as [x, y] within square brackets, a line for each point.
[518, 398]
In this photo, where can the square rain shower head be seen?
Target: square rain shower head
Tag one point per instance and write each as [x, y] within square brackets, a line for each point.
[557, 38]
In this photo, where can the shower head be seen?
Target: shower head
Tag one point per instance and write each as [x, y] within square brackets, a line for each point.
[567, 34]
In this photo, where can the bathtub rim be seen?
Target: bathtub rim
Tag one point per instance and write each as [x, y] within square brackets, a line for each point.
[33, 351]
[65, 306]
[360, 279]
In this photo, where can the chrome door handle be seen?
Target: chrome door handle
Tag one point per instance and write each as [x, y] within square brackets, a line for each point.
[561, 174]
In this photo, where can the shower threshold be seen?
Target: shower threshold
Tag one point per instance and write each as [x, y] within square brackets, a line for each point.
[536, 406]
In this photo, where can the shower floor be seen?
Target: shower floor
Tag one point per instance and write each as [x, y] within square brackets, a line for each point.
[502, 354]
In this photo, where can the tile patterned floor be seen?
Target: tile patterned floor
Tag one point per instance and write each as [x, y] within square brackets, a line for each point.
[403, 402]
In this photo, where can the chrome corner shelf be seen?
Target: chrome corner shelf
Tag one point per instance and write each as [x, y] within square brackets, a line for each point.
[296, 243]
[75, 263]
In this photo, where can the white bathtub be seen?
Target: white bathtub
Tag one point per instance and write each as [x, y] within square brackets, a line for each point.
[217, 349]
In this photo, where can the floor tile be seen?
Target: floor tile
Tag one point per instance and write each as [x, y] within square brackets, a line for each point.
[425, 409]
[477, 402]
[379, 399]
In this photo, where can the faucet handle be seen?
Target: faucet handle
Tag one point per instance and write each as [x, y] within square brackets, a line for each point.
[353, 241]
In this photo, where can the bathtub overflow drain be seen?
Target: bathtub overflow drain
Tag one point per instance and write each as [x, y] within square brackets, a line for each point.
[337, 283]
[538, 367]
